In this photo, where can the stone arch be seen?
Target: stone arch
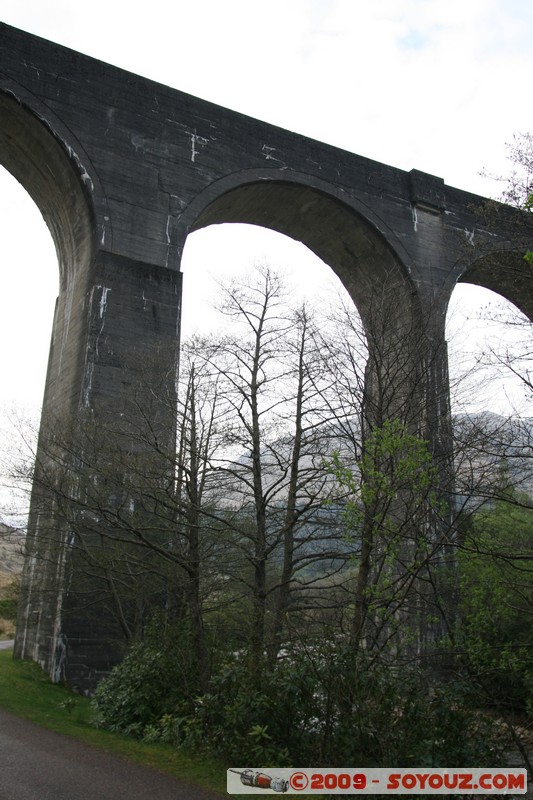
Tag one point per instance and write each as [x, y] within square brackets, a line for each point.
[505, 272]
[347, 236]
[363, 252]
[49, 162]
[54, 174]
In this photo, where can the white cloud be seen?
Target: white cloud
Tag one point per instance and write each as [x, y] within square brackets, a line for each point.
[440, 86]
[416, 83]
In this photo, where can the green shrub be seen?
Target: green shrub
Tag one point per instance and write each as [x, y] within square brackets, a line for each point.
[138, 691]
[315, 707]
[9, 598]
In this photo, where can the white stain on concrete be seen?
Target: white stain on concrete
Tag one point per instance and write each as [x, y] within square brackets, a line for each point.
[268, 153]
[137, 142]
[104, 230]
[470, 236]
[103, 300]
[101, 312]
[415, 219]
[85, 177]
[197, 142]
[88, 384]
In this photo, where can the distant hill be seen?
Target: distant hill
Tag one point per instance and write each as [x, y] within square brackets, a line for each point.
[11, 561]
[488, 444]
[11, 550]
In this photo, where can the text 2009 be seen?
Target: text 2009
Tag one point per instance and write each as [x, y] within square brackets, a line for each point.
[330, 780]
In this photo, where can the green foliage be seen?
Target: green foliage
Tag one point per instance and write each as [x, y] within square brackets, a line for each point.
[8, 609]
[325, 701]
[241, 719]
[496, 608]
[393, 512]
[405, 717]
[138, 692]
[393, 462]
[394, 459]
[68, 704]
[314, 706]
[9, 597]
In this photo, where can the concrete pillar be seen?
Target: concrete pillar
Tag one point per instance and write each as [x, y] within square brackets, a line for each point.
[116, 328]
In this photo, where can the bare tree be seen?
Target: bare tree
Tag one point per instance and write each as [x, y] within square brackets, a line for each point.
[273, 472]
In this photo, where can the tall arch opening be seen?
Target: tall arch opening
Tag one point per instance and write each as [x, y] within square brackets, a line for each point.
[490, 342]
[490, 317]
[37, 159]
[50, 172]
[30, 287]
[505, 273]
[365, 256]
[345, 240]
[491, 363]
[50, 195]
[218, 253]
[402, 368]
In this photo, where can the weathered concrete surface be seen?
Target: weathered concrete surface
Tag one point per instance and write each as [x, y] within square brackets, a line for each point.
[123, 169]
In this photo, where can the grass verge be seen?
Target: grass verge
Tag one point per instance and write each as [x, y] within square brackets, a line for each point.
[26, 692]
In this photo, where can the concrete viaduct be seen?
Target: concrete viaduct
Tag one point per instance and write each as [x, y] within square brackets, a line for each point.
[123, 169]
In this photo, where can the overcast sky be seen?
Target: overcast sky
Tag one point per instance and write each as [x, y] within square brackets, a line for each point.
[437, 85]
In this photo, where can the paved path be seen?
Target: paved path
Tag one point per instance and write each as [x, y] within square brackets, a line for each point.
[38, 764]
[7, 644]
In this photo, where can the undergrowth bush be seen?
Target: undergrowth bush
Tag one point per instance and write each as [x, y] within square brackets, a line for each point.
[311, 708]
[137, 693]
